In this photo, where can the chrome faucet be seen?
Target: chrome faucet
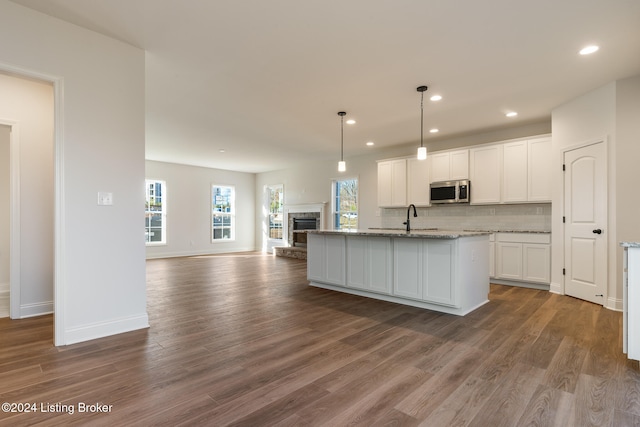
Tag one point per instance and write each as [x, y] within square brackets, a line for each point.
[415, 214]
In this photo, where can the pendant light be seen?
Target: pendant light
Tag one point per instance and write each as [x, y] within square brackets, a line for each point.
[422, 150]
[341, 164]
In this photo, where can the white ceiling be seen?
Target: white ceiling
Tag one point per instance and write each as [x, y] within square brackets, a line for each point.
[264, 80]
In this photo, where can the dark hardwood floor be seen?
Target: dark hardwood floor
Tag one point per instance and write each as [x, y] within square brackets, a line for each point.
[241, 339]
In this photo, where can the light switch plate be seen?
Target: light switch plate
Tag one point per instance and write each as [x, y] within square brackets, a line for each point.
[105, 199]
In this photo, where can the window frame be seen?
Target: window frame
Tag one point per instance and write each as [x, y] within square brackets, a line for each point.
[267, 205]
[334, 199]
[163, 212]
[231, 214]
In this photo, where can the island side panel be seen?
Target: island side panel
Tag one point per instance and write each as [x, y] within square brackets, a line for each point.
[473, 272]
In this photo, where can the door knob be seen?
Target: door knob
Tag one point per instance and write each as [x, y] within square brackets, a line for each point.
[597, 231]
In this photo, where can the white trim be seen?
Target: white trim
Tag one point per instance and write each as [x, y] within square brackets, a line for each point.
[103, 329]
[36, 309]
[59, 281]
[14, 217]
[615, 304]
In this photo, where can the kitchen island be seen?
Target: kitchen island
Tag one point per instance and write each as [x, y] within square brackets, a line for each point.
[441, 270]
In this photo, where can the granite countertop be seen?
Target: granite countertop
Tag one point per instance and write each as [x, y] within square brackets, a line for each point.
[400, 232]
[470, 230]
[630, 244]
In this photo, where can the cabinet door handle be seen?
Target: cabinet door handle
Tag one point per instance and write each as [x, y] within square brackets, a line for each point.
[597, 231]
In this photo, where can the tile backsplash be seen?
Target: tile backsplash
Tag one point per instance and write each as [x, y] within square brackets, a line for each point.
[525, 217]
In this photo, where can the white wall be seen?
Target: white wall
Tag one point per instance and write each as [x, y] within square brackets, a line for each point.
[4, 206]
[188, 201]
[29, 103]
[100, 252]
[311, 182]
[609, 112]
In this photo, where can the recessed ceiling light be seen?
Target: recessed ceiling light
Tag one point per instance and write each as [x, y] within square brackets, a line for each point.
[511, 114]
[589, 50]
[350, 122]
[222, 150]
[434, 130]
[370, 143]
[436, 98]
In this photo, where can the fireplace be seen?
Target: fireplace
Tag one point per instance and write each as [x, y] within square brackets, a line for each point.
[300, 226]
[297, 220]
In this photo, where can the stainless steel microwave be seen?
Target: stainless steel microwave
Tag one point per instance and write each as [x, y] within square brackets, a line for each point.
[451, 192]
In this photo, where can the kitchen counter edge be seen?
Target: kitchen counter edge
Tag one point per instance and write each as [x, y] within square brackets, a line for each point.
[421, 234]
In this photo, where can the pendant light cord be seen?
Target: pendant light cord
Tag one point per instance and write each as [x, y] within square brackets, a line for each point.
[341, 137]
[421, 118]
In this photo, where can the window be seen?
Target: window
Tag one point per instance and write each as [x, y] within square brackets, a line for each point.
[155, 212]
[345, 204]
[275, 198]
[223, 222]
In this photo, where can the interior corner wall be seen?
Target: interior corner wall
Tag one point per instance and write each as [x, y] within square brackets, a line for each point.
[188, 203]
[626, 164]
[30, 104]
[100, 147]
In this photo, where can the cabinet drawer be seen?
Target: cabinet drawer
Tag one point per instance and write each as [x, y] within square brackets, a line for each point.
[524, 237]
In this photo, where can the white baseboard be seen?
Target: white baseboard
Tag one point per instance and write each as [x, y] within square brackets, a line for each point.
[556, 288]
[4, 288]
[104, 329]
[36, 309]
[614, 304]
[4, 306]
[196, 253]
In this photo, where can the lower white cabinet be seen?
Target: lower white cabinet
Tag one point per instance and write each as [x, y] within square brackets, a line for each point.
[369, 263]
[425, 270]
[446, 274]
[326, 259]
[523, 257]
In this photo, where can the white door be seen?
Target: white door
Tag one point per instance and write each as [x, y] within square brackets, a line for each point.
[585, 239]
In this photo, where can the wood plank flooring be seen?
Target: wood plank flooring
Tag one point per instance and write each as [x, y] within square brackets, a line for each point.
[242, 340]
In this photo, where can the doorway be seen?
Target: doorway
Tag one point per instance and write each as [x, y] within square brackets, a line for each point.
[585, 217]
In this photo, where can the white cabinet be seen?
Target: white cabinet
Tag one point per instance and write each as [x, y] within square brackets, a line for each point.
[631, 300]
[439, 257]
[511, 172]
[407, 274]
[539, 170]
[369, 263]
[425, 270]
[514, 172]
[392, 183]
[485, 170]
[536, 262]
[326, 260]
[449, 165]
[527, 171]
[523, 257]
[418, 182]
[446, 275]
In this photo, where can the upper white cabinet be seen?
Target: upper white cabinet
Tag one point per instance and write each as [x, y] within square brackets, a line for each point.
[514, 172]
[527, 171]
[485, 170]
[511, 172]
[449, 165]
[418, 182]
[392, 183]
[539, 170]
